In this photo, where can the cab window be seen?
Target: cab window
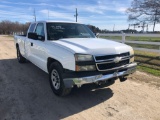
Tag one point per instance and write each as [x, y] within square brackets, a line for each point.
[31, 29]
[40, 31]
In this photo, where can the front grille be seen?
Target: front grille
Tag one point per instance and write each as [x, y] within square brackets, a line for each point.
[113, 65]
[108, 62]
[106, 57]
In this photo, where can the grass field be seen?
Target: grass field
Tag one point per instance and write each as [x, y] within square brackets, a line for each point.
[148, 62]
[150, 39]
[143, 46]
[128, 38]
[10, 36]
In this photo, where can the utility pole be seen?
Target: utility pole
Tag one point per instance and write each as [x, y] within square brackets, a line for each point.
[113, 27]
[147, 28]
[134, 26]
[34, 14]
[76, 15]
[128, 26]
[143, 26]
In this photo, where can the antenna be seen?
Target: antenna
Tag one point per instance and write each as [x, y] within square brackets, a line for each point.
[48, 14]
[34, 15]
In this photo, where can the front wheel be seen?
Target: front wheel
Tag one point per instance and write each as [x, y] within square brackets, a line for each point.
[20, 58]
[56, 80]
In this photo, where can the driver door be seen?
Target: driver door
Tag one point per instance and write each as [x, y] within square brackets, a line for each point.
[39, 48]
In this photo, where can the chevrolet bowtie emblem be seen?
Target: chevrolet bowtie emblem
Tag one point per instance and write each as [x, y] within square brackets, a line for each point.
[117, 59]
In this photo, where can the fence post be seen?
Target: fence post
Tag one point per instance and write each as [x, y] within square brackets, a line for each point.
[159, 51]
[123, 37]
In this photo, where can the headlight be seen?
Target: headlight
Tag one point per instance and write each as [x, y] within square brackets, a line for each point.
[131, 52]
[81, 57]
[131, 56]
[86, 68]
[84, 62]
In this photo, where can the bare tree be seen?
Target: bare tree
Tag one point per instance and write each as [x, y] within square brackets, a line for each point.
[144, 11]
[8, 27]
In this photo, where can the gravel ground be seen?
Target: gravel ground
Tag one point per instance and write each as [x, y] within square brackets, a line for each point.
[25, 94]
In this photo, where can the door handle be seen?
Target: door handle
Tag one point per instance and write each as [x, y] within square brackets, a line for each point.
[31, 44]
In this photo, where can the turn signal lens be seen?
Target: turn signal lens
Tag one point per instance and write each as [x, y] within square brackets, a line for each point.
[86, 68]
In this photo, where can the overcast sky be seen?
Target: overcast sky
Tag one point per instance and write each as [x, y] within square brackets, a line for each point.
[101, 13]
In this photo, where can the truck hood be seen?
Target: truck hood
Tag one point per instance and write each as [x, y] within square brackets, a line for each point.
[93, 46]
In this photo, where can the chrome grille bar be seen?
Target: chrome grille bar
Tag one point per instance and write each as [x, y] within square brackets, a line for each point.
[110, 64]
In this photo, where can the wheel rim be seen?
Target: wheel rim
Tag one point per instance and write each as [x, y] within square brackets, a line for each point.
[55, 79]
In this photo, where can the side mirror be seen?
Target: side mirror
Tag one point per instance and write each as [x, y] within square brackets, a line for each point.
[97, 35]
[33, 36]
[42, 38]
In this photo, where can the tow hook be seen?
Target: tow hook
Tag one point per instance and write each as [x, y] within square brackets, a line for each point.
[101, 83]
[122, 78]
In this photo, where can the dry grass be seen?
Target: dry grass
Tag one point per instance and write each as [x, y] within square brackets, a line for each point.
[148, 62]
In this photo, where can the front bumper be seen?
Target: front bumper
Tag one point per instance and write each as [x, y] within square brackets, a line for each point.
[128, 69]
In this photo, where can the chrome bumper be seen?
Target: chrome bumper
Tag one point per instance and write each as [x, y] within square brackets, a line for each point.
[131, 68]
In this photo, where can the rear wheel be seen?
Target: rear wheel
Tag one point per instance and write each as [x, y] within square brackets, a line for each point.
[20, 58]
[56, 80]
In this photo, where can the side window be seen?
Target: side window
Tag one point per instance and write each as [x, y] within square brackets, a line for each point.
[31, 29]
[40, 31]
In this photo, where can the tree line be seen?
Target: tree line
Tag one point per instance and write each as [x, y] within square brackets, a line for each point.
[95, 29]
[144, 12]
[9, 27]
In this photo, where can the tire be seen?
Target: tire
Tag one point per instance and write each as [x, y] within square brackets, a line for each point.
[56, 80]
[20, 58]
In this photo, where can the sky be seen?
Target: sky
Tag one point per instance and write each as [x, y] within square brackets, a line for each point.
[105, 14]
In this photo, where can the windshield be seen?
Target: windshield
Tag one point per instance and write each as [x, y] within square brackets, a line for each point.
[57, 31]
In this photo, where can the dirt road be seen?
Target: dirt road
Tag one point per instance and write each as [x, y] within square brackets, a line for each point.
[25, 94]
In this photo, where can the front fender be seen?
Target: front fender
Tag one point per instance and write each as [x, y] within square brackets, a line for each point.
[65, 57]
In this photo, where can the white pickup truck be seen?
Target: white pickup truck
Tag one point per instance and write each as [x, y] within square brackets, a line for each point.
[72, 55]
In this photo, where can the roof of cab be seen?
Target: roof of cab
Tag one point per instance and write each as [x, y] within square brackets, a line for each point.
[50, 21]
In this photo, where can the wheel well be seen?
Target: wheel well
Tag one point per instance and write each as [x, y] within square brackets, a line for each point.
[50, 61]
[17, 45]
